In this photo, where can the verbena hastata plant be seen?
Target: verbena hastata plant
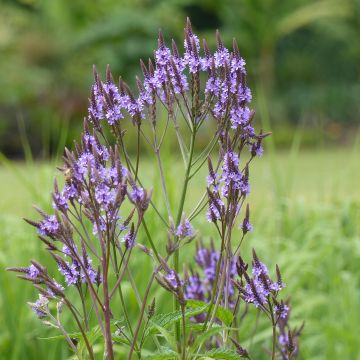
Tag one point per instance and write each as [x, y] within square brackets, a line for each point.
[100, 217]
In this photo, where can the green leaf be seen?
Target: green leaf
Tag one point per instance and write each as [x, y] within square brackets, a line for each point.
[170, 339]
[120, 340]
[221, 354]
[57, 337]
[312, 12]
[225, 315]
[222, 314]
[92, 336]
[200, 339]
[162, 320]
[166, 354]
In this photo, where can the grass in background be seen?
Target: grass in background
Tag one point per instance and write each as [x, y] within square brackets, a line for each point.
[305, 207]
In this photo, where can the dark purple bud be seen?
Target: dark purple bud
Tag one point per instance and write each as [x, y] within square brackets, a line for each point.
[144, 69]
[130, 238]
[184, 229]
[175, 49]
[240, 350]
[236, 49]
[161, 42]
[219, 42]
[241, 266]
[109, 77]
[151, 309]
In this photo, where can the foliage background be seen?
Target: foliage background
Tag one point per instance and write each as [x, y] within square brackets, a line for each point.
[304, 54]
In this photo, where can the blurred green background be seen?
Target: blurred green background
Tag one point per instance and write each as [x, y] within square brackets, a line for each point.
[305, 55]
[303, 61]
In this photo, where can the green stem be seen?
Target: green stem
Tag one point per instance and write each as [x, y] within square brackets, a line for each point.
[121, 294]
[88, 346]
[273, 342]
[137, 153]
[153, 247]
[142, 312]
[178, 219]
[184, 332]
[273, 330]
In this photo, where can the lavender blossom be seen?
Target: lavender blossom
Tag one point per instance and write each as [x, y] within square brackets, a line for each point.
[260, 289]
[194, 288]
[184, 229]
[130, 238]
[192, 86]
[70, 272]
[33, 272]
[201, 288]
[173, 279]
[49, 226]
[281, 310]
[246, 226]
[40, 307]
[137, 194]
[288, 338]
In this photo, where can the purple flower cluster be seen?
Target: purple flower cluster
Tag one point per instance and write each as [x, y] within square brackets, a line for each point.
[38, 275]
[110, 102]
[259, 289]
[229, 187]
[172, 282]
[95, 188]
[167, 79]
[49, 226]
[130, 238]
[96, 179]
[184, 229]
[288, 338]
[201, 288]
[32, 271]
[197, 85]
[74, 273]
[231, 177]
[227, 85]
[172, 279]
[40, 307]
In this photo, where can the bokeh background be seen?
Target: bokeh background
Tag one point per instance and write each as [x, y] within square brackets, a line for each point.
[303, 61]
[304, 53]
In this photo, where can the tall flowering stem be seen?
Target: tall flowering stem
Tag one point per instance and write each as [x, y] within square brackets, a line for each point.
[99, 221]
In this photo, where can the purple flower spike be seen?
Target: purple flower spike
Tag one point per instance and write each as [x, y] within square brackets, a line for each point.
[171, 277]
[194, 288]
[70, 272]
[137, 194]
[40, 307]
[49, 226]
[32, 271]
[184, 229]
[130, 238]
[281, 310]
[246, 226]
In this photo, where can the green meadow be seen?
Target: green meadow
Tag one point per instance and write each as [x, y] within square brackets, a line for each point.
[305, 208]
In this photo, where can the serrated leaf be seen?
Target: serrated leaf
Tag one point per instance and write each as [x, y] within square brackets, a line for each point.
[221, 354]
[57, 337]
[92, 335]
[120, 340]
[163, 320]
[166, 334]
[225, 315]
[161, 357]
[166, 354]
[200, 339]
